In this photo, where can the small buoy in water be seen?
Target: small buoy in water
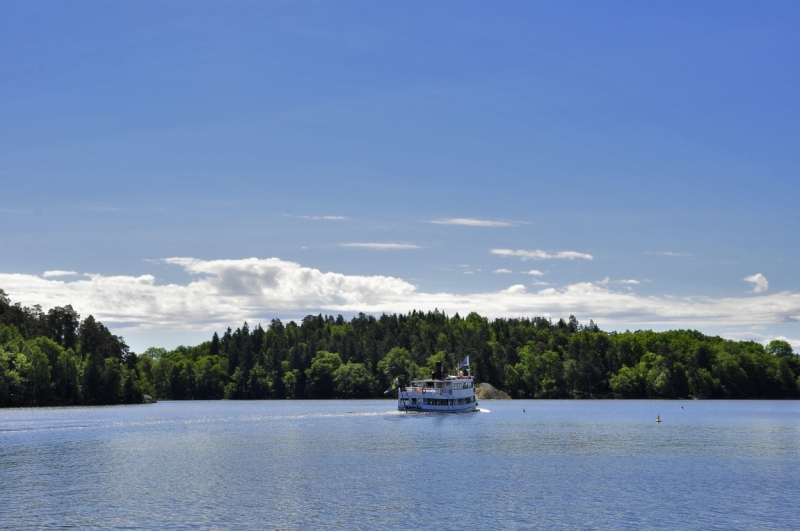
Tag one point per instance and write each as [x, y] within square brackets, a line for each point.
[681, 407]
[523, 411]
[658, 418]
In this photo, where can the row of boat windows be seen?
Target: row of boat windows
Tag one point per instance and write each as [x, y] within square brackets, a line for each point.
[469, 384]
[442, 401]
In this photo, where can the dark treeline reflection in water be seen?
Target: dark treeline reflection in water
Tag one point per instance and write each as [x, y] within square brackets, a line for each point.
[361, 465]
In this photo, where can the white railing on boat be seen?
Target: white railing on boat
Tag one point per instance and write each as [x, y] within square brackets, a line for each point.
[445, 388]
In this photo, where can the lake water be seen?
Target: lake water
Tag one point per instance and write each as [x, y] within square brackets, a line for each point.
[362, 465]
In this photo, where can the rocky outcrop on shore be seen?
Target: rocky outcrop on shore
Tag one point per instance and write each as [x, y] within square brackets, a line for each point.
[486, 391]
[147, 399]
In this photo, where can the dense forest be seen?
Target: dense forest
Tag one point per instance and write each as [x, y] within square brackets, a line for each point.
[57, 358]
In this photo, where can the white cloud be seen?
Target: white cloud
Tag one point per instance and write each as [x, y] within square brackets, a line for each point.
[470, 222]
[516, 288]
[228, 292]
[382, 246]
[502, 271]
[608, 280]
[534, 272]
[59, 273]
[318, 218]
[764, 339]
[542, 255]
[667, 253]
[760, 283]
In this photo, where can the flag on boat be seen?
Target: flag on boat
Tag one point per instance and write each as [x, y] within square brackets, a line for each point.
[464, 363]
[395, 385]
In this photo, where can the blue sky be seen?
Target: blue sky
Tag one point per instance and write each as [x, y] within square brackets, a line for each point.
[657, 142]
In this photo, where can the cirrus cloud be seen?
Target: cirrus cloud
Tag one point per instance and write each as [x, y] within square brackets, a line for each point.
[318, 218]
[542, 255]
[382, 246]
[471, 222]
[667, 253]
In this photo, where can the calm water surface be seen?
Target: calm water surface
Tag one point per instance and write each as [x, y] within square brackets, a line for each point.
[361, 465]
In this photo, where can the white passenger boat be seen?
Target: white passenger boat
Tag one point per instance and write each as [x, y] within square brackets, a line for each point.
[446, 394]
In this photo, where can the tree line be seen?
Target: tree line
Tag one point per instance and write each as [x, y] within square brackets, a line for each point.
[55, 357]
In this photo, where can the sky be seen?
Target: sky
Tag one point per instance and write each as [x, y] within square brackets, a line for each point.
[175, 168]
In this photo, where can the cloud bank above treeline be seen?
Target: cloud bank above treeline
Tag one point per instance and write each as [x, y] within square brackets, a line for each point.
[224, 292]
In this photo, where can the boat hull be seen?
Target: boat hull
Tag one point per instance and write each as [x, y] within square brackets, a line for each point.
[439, 409]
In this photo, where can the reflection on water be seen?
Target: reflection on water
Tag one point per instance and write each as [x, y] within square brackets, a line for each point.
[362, 465]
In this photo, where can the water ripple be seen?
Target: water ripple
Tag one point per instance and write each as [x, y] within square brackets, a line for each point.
[363, 465]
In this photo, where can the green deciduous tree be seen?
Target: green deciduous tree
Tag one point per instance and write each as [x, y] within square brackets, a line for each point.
[67, 376]
[212, 375]
[13, 378]
[780, 348]
[397, 364]
[258, 385]
[353, 380]
[320, 376]
[291, 383]
[39, 375]
[92, 380]
[629, 382]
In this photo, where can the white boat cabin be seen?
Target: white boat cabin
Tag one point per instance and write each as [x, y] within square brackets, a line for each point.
[447, 394]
